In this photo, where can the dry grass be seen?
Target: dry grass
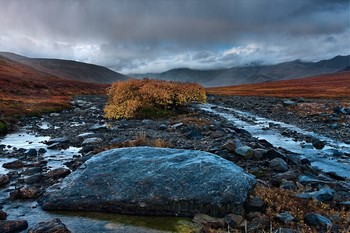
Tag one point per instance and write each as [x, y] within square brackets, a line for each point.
[324, 86]
[280, 200]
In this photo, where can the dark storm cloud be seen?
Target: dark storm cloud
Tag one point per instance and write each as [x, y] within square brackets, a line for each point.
[155, 35]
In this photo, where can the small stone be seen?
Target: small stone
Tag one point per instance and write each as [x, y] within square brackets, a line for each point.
[58, 173]
[256, 204]
[233, 220]
[57, 140]
[42, 151]
[217, 134]
[288, 185]
[324, 194]
[177, 125]
[258, 225]
[288, 175]
[4, 179]
[318, 221]
[319, 145]
[92, 141]
[3, 215]
[285, 217]
[245, 151]
[273, 153]
[10, 226]
[32, 152]
[28, 192]
[230, 146]
[278, 165]
[14, 165]
[53, 226]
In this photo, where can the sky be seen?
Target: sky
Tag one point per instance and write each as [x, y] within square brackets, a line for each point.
[140, 36]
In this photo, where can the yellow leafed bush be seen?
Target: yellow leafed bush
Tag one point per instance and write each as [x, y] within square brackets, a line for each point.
[150, 98]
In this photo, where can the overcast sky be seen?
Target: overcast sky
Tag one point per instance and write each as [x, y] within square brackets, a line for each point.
[141, 36]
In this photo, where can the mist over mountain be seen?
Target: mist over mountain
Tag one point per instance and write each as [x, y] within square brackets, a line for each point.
[68, 69]
[254, 73]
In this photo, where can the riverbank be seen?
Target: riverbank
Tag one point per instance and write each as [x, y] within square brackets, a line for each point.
[281, 174]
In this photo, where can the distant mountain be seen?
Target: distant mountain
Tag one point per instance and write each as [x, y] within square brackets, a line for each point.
[68, 69]
[253, 73]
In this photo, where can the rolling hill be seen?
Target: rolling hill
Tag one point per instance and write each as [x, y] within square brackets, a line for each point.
[67, 69]
[253, 73]
[336, 85]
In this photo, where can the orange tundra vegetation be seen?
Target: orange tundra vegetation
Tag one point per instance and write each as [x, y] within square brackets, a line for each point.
[323, 86]
[151, 98]
[26, 91]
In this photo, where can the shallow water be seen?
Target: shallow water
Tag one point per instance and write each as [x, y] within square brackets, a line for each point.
[259, 128]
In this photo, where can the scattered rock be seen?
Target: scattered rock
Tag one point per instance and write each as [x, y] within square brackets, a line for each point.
[92, 141]
[11, 226]
[288, 175]
[32, 152]
[230, 146]
[319, 145]
[278, 165]
[149, 181]
[318, 221]
[324, 194]
[14, 165]
[233, 220]
[58, 173]
[245, 151]
[258, 225]
[3, 215]
[274, 153]
[57, 140]
[53, 226]
[256, 204]
[289, 103]
[285, 217]
[4, 179]
[42, 151]
[28, 192]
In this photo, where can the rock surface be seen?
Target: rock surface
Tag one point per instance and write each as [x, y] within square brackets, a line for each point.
[53, 226]
[154, 181]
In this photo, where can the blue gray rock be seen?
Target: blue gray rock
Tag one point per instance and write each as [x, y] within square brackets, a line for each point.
[153, 181]
[318, 221]
[324, 194]
[245, 151]
[278, 165]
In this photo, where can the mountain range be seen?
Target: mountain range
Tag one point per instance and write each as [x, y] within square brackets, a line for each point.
[253, 73]
[67, 69]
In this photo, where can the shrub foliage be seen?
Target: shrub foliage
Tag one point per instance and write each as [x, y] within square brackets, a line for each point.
[150, 98]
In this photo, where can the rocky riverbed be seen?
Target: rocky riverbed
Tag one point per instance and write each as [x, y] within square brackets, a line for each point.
[48, 148]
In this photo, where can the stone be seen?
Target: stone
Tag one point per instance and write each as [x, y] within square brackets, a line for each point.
[4, 179]
[206, 220]
[14, 164]
[318, 221]
[288, 185]
[58, 173]
[285, 217]
[324, 194]
[274, 153]
[57, 140]
[32, 152]
[92, 141]
[256, 204]
[97, 127]
[53, 226]
[3, 215]
[217, 134]
[11, 226]
[289, 103]
[288, 175]
[230, 146]
[245, 151]
[33, 179]
[153, 181]
[28, 192]
[42, 151]
[258, 225]
[278, 165]
[319, 145]
[233, 220]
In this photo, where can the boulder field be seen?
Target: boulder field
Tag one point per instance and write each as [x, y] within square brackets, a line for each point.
[153, 181]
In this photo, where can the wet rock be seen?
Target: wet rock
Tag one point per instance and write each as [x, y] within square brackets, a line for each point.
[58, 173]
[14, 165]
[3, 215]
[306, 145]
[28, 192]
[53, 226]
[318, 221]
[256, 204]
[324, 194]
[288, 175]
[57, 141]
[84, 135]
[206, 220]
[319, 145]
[285, 217]
[7, 226]
[92, 141]
[42, 151]
[154, 181]
[274, 153]
[32, 152]
[33, 179]
[233, 220]
[278, 165]
[245, 151]
[4, 179]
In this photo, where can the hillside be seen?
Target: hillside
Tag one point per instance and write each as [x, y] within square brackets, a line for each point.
[253, 73]
[25, 90]
[67, 69]
[335, 85]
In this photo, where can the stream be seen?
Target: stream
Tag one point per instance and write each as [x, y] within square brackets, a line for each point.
[270, 130]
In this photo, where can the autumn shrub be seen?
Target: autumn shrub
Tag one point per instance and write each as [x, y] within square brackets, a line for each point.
[150, 98]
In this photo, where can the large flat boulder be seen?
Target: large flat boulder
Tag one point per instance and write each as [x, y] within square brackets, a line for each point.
[153, 181]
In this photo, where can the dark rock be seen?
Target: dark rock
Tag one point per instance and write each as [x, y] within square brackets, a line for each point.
[288, 185]
[258, 225]
[318, 221]
[273, 153]
[278, 165]
[194, 134]
[303, 160]
[288, 175]
[245, 151]
[32, 171]
[217, 134]
[256, 204]
[86, 149]
[206, 220]
[285, 217]
[259, 153]
[289, 103]
[345, 204]
[57, 140]
[3, 127]
[42, 151]
[4, 179]
[28, 192]
[7, 226]
[3, 215]
[163, 127]
[33, 179]
[325, 194]
[233, 220]
[319, 145]
[58, 173]
[154, 181]
[14, 165]
[32, 152]
[53, 226]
